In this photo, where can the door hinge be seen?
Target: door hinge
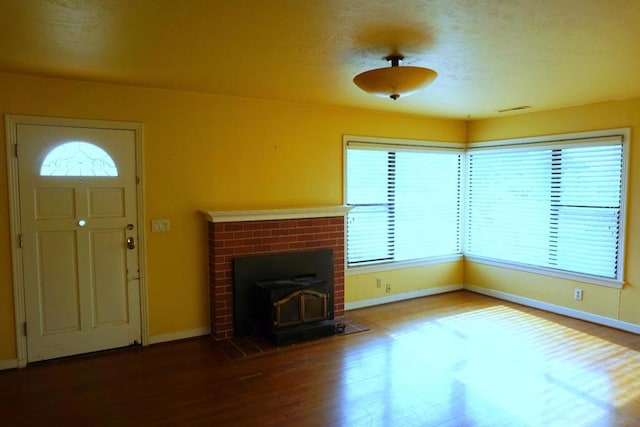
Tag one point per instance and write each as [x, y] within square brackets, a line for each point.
[138, 180]
[15, 150]
[24, 328]
[20, 241]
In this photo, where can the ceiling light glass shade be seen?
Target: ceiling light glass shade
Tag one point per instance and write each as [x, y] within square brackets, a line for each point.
[394, 81]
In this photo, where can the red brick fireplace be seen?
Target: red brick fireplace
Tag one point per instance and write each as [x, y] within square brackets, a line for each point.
[249, 233]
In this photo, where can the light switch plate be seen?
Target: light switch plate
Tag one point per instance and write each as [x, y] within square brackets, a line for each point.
[160, 225]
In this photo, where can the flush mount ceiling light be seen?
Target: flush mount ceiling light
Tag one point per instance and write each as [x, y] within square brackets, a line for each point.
[394, 81]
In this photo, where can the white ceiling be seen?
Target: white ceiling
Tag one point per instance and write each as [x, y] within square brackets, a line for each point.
[489, 54]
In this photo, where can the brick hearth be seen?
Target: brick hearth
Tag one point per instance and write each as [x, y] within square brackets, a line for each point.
[234, 234]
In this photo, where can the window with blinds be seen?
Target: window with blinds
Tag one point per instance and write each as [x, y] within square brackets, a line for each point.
[551, 205]
[406, 203]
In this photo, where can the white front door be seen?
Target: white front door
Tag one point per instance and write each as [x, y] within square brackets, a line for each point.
[79, 236]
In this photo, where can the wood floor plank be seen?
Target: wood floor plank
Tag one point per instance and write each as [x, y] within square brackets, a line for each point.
[457, 359]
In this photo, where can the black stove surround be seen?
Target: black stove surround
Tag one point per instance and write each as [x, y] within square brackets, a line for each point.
[287, 297]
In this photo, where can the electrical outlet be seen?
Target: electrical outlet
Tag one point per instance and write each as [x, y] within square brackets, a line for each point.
[378, 282]
[577, 294]
[388, 288]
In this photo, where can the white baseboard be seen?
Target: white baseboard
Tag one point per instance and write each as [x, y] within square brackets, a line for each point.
[594, 318]
[589, 317]
[8, 364]
[156, 339]
[401, 297]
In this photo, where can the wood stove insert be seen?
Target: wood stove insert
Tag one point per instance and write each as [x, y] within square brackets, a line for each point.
[287, 297]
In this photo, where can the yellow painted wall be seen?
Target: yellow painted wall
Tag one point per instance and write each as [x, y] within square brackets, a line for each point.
[597, 299]
[204, 152]
[362, 287]
[214, 153]
[617, 304]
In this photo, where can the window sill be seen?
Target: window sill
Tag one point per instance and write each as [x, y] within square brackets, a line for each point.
[374, 268]
[594, 280]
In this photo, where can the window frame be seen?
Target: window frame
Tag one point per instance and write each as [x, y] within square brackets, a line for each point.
[566, 140]
[538, 141]
[395, 144]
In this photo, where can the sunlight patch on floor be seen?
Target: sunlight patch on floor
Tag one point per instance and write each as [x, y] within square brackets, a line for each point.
[550, 361]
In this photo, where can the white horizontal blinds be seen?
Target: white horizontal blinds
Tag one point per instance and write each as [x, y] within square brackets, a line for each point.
[508, 205]
[407, 203]
[586, 208]
[370, 192]
[427, 210]
[557, 207]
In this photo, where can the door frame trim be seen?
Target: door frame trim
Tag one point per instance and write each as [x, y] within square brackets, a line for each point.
[11, 123]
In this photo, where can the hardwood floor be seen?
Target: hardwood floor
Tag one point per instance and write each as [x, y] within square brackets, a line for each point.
[457, 359]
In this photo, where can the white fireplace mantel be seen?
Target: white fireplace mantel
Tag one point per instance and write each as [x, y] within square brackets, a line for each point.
[276, 214]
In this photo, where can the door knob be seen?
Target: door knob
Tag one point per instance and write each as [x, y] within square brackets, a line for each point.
[130, 243]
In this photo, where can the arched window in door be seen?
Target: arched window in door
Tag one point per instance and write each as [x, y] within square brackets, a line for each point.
[77, 158]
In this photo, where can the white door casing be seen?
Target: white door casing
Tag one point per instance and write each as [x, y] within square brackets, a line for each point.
[78, 249]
